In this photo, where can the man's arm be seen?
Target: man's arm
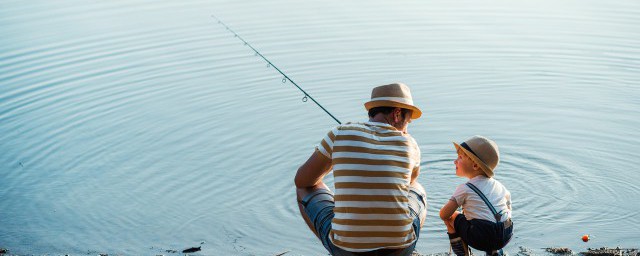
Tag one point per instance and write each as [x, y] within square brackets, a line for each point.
[414, 174]
[313, 170]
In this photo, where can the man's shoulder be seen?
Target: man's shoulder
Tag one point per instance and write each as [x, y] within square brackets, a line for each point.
[367, 127]
[413, 140]
[348, 125]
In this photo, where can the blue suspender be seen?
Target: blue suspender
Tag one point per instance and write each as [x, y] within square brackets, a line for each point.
[497, 215]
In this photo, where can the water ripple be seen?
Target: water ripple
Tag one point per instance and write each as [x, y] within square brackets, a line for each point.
[140, 125]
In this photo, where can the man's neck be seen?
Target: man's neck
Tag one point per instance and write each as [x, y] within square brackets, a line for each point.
[379, 119]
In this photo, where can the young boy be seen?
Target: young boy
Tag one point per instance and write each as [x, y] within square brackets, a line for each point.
[478, 226]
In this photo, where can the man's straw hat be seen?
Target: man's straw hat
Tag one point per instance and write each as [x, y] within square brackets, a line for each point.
[393, 95]
[483, 151]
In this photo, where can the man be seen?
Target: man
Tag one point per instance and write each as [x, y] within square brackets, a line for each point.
[378, 207]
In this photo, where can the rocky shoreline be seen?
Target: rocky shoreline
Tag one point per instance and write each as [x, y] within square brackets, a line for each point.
[559, 251]
[603, 251]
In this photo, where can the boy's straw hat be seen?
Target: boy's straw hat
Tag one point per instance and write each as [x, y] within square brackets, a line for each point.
[393, 95]
[483, 151]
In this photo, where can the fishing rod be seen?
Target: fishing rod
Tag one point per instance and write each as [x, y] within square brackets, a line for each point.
[269, 64]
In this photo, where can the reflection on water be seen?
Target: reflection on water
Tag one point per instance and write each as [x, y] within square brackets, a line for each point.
[138, 127]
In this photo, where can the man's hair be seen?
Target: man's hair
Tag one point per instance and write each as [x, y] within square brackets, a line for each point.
[386, 110]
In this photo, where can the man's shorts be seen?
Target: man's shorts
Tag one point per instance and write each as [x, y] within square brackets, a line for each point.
[483, 235]
[319, 208]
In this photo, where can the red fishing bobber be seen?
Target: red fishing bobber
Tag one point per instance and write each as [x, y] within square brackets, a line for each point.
[585, 238]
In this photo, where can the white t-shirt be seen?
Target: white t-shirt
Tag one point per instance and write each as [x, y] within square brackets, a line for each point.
[474, 207]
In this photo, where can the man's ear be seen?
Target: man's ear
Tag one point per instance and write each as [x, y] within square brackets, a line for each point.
[397, 114]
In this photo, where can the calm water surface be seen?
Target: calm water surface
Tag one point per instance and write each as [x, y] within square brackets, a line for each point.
[133, 127]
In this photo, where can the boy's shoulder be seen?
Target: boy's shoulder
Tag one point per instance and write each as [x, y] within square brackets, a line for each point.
[497, 183]
[462, 189]
[483, 183]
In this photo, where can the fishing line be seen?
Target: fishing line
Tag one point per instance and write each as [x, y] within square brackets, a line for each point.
[269, 64]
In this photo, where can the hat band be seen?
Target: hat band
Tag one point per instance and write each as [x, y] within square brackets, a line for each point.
[465, 146]
[396, 99]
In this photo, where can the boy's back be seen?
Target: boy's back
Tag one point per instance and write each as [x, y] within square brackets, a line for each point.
[474, 207]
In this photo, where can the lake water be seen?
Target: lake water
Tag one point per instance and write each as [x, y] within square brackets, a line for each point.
[134, 127]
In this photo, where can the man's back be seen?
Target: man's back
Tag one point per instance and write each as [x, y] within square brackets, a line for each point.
[378, 206]
[372, 165]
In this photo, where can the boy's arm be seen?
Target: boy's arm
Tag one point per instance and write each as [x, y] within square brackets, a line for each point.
[448, 209]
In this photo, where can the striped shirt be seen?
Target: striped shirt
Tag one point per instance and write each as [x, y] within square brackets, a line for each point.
[372, 166]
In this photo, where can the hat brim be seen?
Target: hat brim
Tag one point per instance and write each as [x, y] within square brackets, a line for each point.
[485, 168]
[415, 114]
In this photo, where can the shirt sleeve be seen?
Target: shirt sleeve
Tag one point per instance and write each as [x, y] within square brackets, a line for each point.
[326, 144]
[416, 157]
[460, 195]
